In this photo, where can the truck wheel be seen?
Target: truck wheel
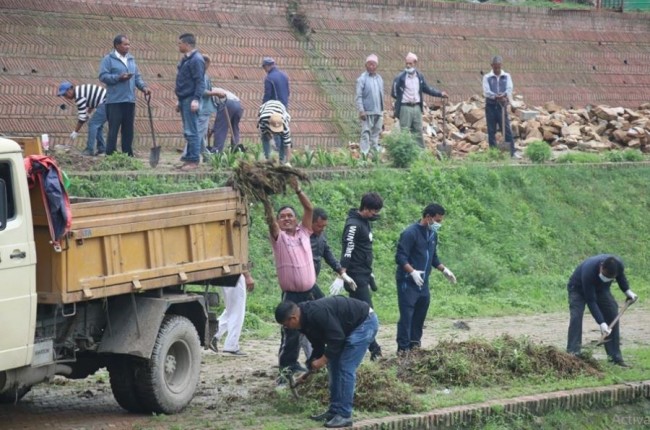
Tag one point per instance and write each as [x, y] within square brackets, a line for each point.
[167, 382]
[122, 371]
[14, 396]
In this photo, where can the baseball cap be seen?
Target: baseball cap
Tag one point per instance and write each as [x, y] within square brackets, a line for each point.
[275, 123]
[65, 86]
[267, 61]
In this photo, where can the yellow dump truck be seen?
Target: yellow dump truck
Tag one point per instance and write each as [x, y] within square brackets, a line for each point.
[113, 294]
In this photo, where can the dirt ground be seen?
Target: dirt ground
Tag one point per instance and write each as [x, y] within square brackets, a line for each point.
[229, 385]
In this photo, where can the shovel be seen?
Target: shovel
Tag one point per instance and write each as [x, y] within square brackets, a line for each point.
[603, 337]
[154, 154]
[444, 149]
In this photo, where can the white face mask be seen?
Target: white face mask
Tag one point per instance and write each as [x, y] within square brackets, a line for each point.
[435, 226]
[605, 278]
[410, 70]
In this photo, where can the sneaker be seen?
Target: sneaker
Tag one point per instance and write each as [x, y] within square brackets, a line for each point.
[188, 166]
[516, 156]
[375, 355]
[237, 353]
[620, 362]
[213, 344]
[325, 416]
[338, 422]
[100, 154]
[87, 153]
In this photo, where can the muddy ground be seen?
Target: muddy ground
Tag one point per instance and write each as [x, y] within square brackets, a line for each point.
[232, 386]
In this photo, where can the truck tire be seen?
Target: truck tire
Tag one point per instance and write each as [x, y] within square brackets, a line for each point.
[168, 380]
[122, 371]
[14, 396]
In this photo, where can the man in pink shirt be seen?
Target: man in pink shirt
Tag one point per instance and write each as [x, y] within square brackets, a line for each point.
[294, 265]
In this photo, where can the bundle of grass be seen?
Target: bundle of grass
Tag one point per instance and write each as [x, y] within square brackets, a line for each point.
[257, 181]
[481, 363]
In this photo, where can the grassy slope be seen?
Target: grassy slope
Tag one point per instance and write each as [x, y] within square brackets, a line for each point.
[511, 235]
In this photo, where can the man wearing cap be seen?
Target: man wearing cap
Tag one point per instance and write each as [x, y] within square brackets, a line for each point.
[88, 97]
[121, 76]
[407, 91]
[370, 104]
[497, 89]
[273, 122]
[276, 87]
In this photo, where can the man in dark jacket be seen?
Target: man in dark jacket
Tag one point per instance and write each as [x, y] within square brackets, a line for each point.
[589, 284]
[190, 86]
[276, 87]
[340, 330]
[407, 91]
[356, 253]
[415, 257]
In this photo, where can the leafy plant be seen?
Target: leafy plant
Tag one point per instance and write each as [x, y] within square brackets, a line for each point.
[402, 148]
[492, 154]
[578, 157]
[538, 152]
[118, 161]
[619, 156]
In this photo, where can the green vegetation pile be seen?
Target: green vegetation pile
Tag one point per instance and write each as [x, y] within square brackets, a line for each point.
[257, 181]
[394, 384]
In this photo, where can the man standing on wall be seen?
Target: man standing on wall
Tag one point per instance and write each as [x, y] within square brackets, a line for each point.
[356, 257]
[370, 105]
[497, 89]
[407, 91]
[416, 255]
[276, 87]
[88, 97]
[121, 76]
[190, 86]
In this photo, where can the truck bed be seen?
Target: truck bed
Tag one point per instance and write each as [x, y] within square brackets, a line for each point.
[135, 244]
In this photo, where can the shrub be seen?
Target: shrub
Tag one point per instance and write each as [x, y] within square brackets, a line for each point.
[119, 161]
[538, 152]
[578, 157]
[401, 148]
[619, 156]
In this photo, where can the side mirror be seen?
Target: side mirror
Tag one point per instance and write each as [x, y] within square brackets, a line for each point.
[3, 205]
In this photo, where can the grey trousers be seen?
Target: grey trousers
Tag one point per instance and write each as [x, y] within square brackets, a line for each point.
[370, 131]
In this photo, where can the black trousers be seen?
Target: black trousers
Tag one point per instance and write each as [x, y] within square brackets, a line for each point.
[121, 116]
[363, 293]
[290, 343]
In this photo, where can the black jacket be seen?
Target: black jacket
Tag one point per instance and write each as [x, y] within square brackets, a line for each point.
[320, 249]
[398, 90]
[327, 322]
[356, 249]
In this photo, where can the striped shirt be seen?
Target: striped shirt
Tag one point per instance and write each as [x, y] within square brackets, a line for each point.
[265, 112]
[86, 97]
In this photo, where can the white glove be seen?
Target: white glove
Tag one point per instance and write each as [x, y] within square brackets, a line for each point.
[449, 275]
[417, 277]
[349, 281]
[74, 135]
[336, 287]
[604, 329]
[630, 295]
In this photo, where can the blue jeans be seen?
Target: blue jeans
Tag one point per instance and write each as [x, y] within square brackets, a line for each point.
[608, 307]
[266, 145]
[493, 119]
[413, 303]
[190, 130]
[96, 130]
[343, 369]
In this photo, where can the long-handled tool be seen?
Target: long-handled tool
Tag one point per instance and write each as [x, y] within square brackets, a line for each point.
[295, 382]
[154, 154]
[443, 148]
[603, 337]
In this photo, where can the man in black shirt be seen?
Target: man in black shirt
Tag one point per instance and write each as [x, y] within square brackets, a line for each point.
[340, 330]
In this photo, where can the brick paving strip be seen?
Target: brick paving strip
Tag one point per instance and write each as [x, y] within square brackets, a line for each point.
[536, 404]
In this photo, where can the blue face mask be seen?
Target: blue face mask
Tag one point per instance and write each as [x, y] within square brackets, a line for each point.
[409, 70]
[435, 226]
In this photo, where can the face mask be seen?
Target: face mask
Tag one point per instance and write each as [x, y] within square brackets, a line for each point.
[374, 217]
[410, 70]
[604, 278]
[435, 226]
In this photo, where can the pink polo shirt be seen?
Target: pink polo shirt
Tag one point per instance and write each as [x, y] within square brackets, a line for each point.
[293, 260]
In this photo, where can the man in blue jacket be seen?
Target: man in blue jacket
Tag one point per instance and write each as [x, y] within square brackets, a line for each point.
[407, 91]
[276, 87]
[590, 284]
[121, 76]
[190, 86]
[415, 257]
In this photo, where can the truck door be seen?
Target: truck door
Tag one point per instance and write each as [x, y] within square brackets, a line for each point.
[17, 267]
